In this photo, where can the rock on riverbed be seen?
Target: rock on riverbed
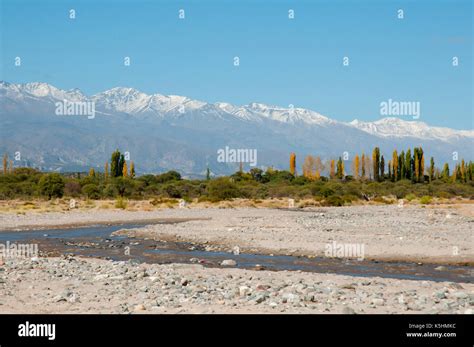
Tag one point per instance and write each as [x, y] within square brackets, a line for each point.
[79, 285]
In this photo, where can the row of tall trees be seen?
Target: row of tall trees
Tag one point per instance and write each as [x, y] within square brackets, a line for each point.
[405, 165]
[408, 166]
[313, 167]
[118, 167]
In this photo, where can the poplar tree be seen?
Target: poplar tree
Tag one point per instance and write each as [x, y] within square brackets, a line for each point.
[121, 164]
[401, 163]
[368, 167]
[455, 173]
[408, 170]
[417, 166]
[432, 169]
[445, 174]
[293, 163]
[395, 165]
[340, 169]
[382, 168]
[318, 166]
[5, 164]
[115, 164]
[132, 169]
[124, 169]
[363, 166]
[356, 167]
[422, 168]
[332, 169]
[106, 170]
[309, 167]
[376, 163]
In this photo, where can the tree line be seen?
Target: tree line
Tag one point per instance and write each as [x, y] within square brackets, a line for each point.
[403, 166]
[372, 177]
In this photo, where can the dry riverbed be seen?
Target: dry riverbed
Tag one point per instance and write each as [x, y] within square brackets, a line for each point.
[78, 285]
[435, 235]
[410, 233]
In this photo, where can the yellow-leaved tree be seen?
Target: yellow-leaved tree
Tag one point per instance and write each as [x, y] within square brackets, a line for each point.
[309, 167]
[319, 167]
[395, 165]
[332, 169]
[125, 169]
[293, 164]
[356, 167]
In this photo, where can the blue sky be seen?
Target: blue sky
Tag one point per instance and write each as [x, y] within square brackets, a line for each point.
[282, 61]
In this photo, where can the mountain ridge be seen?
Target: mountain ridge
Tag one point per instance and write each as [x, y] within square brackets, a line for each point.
[176, 132]
[150, 102]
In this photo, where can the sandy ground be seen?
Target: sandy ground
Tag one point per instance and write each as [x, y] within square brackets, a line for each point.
[441, 234]
[76, 285]
[389, 232]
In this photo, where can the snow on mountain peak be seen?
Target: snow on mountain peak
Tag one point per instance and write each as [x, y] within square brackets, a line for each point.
[135, 102]
[39, 90]
[397, 127]
[288, 115]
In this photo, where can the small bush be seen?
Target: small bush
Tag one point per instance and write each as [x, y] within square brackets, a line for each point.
[92, 191]
[168, 176]
[121, 203]
[425, 200]
[383, 200]
[333, 201]
[72, 189]
[326, 192]
[222, 189]
[172, 191]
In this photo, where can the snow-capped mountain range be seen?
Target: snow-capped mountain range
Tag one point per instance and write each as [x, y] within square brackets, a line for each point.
[175, 132]
[396, 127]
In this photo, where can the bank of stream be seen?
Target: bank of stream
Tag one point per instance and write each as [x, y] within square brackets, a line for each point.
[97, 241]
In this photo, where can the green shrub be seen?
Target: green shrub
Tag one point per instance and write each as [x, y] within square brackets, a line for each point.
[425, 200]
[326, 192]
[333, 201]
[121, 203]
[72, 188]
[348, 198]
[91, 190]
[172, 191]
[222, 189]
[124, 186]
[257, 184]
[168, 176]
[51, 185]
